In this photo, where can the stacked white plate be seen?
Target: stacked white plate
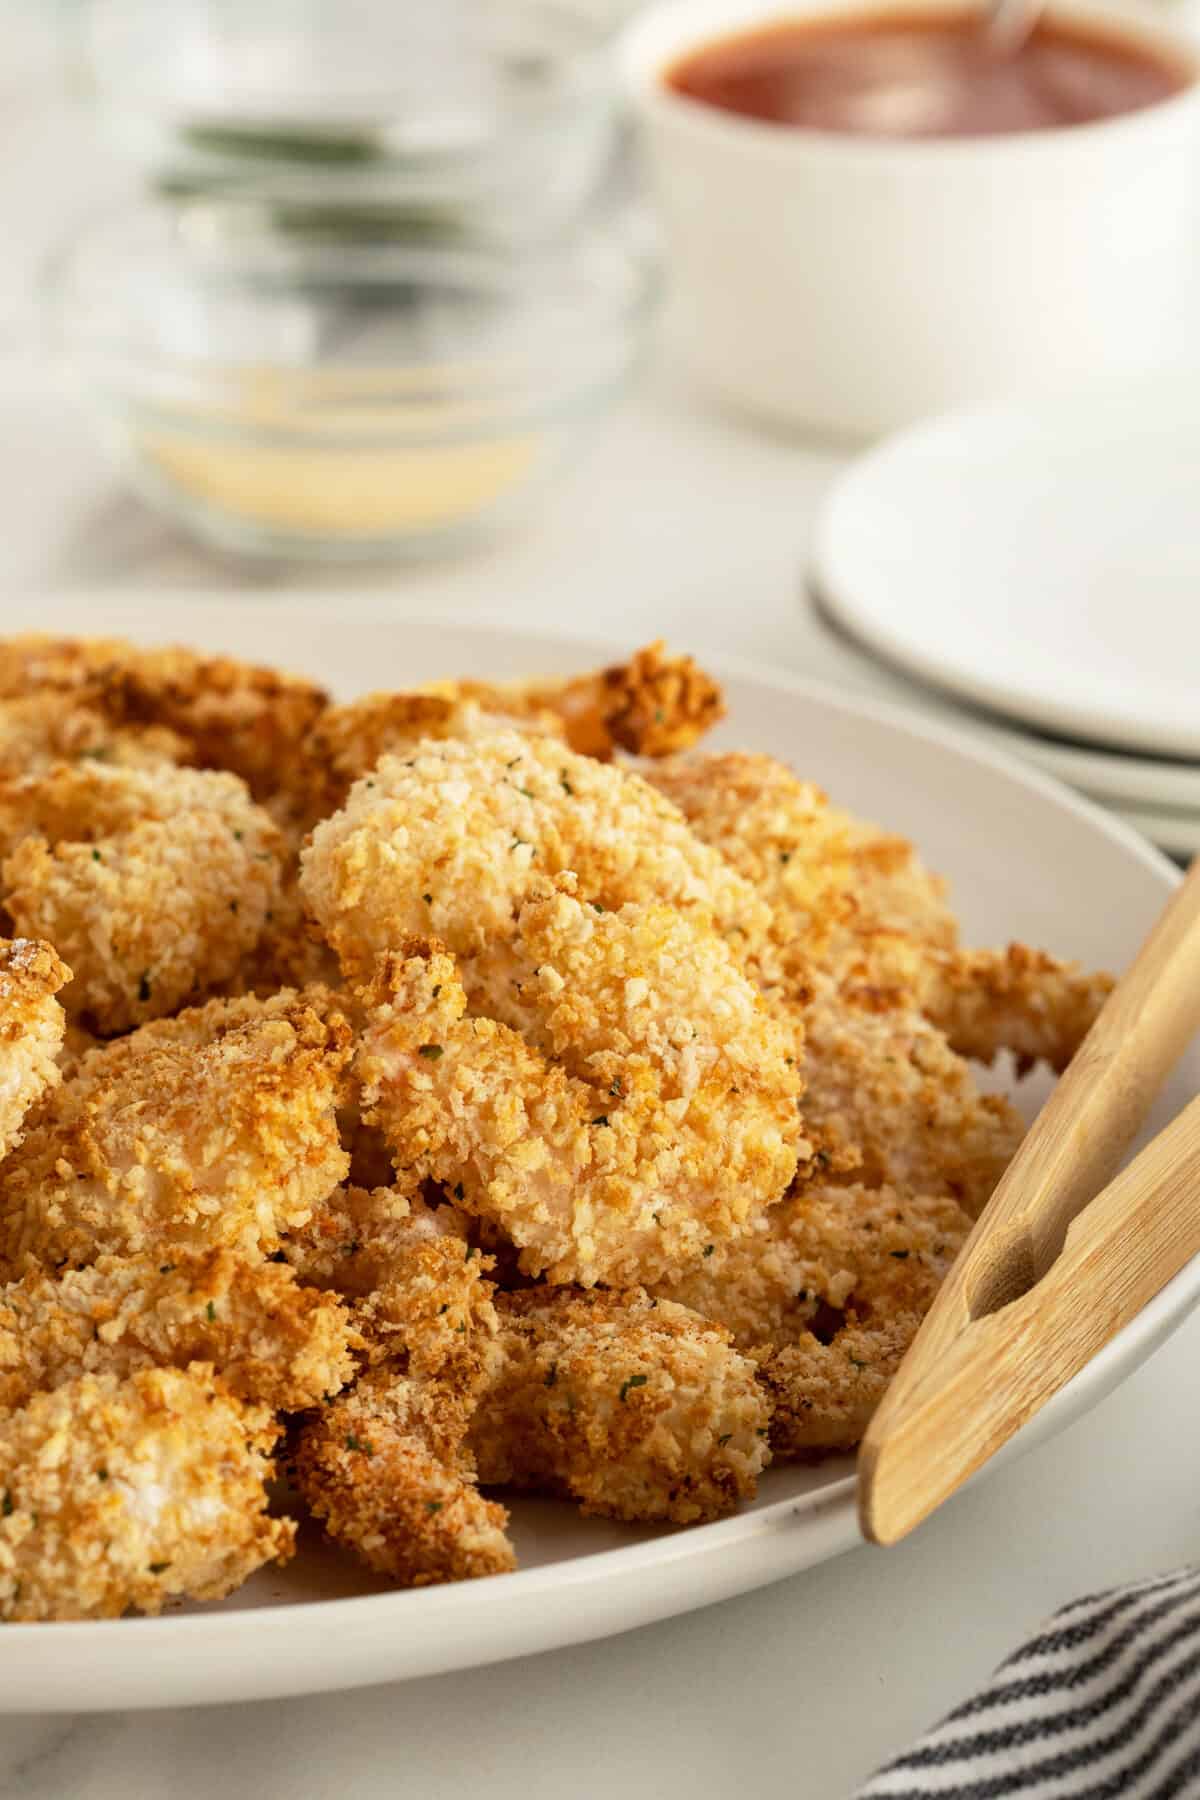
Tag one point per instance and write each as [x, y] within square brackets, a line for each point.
[1033, 572]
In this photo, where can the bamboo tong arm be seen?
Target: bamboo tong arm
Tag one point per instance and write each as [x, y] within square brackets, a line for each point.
[1045, 1278]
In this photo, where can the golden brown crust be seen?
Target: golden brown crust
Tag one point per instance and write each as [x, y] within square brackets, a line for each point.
[130, 1493]
[32, 1025]
[174, 1138]
[153, 883]
[637, 1408]
[449, 841]
[647, 1109]
[380, 1468]
[268, 1338]
[826, 1294]
[228, 714]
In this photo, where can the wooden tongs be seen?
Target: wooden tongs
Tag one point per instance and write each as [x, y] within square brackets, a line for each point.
[1058, 1261]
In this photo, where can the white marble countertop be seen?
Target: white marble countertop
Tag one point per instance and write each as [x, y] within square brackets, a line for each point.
[681, 522]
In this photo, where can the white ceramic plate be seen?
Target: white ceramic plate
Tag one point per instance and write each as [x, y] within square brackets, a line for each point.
[1153, 783]
[1028, 859]
[1042, 560]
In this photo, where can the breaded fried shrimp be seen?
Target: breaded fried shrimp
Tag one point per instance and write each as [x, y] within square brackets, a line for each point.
[229, 714]
[165, 1142]
[422, 1301]
[653, 705]
[648, 1108]
[268, 1338]
[152, 883]
[129, 1493]
[382, 1469]
[449, 841]
[858, 904]
[636, 1408]
[32, 1025]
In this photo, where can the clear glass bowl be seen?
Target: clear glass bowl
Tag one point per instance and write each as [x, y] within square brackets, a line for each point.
[494, 113]
[335, 397]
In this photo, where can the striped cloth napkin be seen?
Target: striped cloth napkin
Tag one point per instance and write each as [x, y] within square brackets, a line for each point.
[1103, 1703]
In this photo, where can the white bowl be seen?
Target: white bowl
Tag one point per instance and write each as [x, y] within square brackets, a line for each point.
[853, 284]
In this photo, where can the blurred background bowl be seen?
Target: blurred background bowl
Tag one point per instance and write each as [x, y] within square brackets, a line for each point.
[498, 113]
[331, 395]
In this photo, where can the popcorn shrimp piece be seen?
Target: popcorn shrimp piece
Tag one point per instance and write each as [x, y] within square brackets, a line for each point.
[859, 904]
[451, 839]
[164, 1142]
[268, 1338]
[649, 1110]
[129, 1493]
[826, 1293]
[153, 883]
[422, 1301]
[41, 729]
[887, 1098]
[383, 1469]
[230, 715]
[635, 1407]
[32, 1025]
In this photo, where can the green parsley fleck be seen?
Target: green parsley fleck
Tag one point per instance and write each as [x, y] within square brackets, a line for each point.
[352, 1248]
[210, 1312]
[443, 1308]
[432, 1051]
[900, 1255]
[595, 906]
[437, 988]
[428, 899]
[101, 1474]
[357, 1443]
[785, 856]
[526, 793]
[632, 1382]
[233, 906]
[724, 1437]
[458, 1190]
[166, 1268]
[157, 1568]
[433, 1506]
[551, 1375]
[470, 1253]
[96, 856]
[144, 988]
[566, 786]
[6, 1505]
[238, 834]
[600, 1119]
[709, 1248]
[616, 1090]
[856, 1364]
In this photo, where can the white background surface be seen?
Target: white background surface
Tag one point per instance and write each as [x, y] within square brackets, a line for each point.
[684, 523]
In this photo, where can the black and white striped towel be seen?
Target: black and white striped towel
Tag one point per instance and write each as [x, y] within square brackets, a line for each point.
[1102, 1704]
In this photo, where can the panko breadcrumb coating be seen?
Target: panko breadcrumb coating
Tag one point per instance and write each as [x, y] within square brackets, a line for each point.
[859, 903]
[268, 1338]
[648, 1110]
[152, 883]
[422, 1301]
[449, 841]
[163, 1142]
[826, 1296]
[653, 705]
[229, 714]
[129, 1493]
[32, 1024]
[887, 1099]
[635, 1407]
[382, 1468]
[40, 729]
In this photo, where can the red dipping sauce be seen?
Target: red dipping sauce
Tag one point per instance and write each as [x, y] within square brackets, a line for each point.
[925, 76]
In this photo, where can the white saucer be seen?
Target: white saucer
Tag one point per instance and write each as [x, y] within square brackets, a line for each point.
[1118, 778]
[1042, 560]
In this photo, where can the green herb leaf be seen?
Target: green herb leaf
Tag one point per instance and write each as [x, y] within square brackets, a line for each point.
[601, 1119]
[6, 1505]
[724, 1437]
[210, 1312]
[434, 1506]
[708, 1249]
[157, 1568]
[432, 1051]
[634, 1381]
